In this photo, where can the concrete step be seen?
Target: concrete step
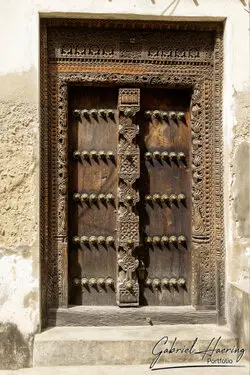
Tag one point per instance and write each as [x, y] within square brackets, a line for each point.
[131, 345]
[128, 370]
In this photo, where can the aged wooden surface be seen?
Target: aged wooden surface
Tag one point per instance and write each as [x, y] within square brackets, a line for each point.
[92, 175]
[113, 315]
[115, 54]
[92, 134]
[165, 177]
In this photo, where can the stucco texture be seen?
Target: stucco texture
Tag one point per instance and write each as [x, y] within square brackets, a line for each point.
[19, 213]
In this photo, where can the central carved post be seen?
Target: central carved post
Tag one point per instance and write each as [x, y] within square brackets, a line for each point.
[128, 221]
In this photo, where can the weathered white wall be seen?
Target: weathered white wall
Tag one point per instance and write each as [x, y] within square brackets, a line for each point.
[19, 146]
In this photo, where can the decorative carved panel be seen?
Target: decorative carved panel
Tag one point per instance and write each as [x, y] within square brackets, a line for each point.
[155, 54]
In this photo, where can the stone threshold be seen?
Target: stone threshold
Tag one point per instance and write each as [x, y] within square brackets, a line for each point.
[126, 345]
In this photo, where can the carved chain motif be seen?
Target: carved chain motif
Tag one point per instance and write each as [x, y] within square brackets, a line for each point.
[128, 221]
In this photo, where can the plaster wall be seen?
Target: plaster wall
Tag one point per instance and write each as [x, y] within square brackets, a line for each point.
[19, 149]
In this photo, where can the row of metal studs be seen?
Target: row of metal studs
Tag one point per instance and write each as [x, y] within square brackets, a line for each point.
[165, 115]
[93, 240]
[165, 240]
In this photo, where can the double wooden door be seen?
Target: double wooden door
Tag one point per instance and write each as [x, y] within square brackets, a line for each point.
[129, 196]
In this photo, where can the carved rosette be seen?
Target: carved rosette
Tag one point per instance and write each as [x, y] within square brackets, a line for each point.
[128, 221]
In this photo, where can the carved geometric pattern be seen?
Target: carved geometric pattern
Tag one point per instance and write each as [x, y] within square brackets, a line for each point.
[128, 171]
[169, 58]
[129, 231]
[125, 191]
[126, 148]
[127, 297]
[129, 168]
[127, 128]
[128, 263]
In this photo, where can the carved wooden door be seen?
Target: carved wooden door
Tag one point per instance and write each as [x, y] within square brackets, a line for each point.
[129, 196]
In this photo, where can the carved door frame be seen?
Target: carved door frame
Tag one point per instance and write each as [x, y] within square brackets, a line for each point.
[202, 75]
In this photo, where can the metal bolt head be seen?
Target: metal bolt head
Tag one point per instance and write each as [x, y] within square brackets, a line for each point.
[148, 240]
[173, 239]
[165, 115]
[181, 115]
[128, 155]
[156, 239]
[93, 154]
[173, 197]
[172, 115]
[101, 240]
[84, 281]
[85, 112]
[181, 197]
[93, 239]
[164, 198]
[102, 154]
[76, 281]
[156, 197]
[110, 240]
[101, 281]
[164, 239]
[93, 112]
[157, 283]
[148, 282]
[181, 156]
[109, 281]
[147, 114]
[172, 281]
[76, 155]
[85, 154]
[165, 281]
[148, 155]
[76, 113]
[172, 155]
[101, 197]
[164, 155]
[93, 197]
[84, 197]
[181, 282]
[157, 154]
[130, 242]
[157, 114]
[84, 239]
[128, 285]
[110, 197]
[102, 112]
[182, 239]
[76, 239]
[110, 155]
[92, 281]
[110, 112]
[129, 198]
[76, 196]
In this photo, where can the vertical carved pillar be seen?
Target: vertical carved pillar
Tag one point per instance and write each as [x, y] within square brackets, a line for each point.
[128, 221]
[60, 232]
